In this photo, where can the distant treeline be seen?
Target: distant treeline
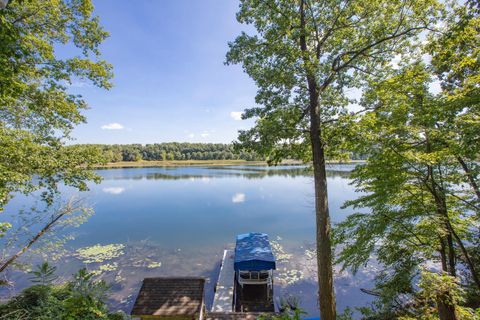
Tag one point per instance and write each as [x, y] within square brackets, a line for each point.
[180, 151]
[175, 151]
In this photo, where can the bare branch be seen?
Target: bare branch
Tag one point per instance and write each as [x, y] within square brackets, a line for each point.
[70, 207]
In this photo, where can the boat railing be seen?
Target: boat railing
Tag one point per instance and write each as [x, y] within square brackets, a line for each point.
[255, 277]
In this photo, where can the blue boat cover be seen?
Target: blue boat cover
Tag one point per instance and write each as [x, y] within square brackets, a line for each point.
[253, 252]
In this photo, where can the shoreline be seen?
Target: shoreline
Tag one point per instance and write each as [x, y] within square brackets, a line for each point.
[187, 163]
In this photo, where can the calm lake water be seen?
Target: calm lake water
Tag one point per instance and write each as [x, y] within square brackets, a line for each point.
[176, 221]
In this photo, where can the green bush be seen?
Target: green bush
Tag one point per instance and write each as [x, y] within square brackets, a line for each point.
[81, 298]
[37, 302]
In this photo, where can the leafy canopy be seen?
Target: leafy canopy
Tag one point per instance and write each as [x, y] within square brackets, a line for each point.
[346, 42]
[37, 109]
[419, 202]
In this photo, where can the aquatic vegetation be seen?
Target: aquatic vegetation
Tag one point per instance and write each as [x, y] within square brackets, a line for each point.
[154, 264]
[310, 254]
[286, 273]
[289, 276]
[99, 253]
[105, 268]
[118, 277]
[279, 251]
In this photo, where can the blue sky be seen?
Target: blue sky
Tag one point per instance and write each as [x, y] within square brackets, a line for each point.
[170, 82]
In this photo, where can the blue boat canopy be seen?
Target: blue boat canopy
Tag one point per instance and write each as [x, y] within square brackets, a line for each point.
[253, 252]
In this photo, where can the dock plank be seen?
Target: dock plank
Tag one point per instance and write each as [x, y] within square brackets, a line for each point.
[223, 299]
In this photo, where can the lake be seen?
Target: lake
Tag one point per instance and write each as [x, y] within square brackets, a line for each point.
[176, 221]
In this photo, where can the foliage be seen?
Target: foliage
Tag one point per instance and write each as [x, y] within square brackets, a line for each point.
[86, 296]
[4, 226]
[432, 286]
[45, 46]
[35, 302]
[184, 151]
[419, 203]
[80, 298]
[416, 211]
[455, 51]
[37, 107]
[174, 151]
[289, 310]
[348, 41]
[44, 274]
[347, 314]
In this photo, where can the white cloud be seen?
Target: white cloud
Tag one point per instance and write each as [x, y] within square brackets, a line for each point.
[191, 135]
[205, 134]
[113, 190]
[238, 198]
[236, 115]
[113, 126]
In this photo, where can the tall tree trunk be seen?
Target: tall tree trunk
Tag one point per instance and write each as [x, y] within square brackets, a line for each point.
[326, 292]
[324, 249]
[466, 256]
[446, 310]
[443, 255]
[451, 255]
[441, 205]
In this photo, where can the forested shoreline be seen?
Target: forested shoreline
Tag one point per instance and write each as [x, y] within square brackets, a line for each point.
[179, 151]
[174, 151]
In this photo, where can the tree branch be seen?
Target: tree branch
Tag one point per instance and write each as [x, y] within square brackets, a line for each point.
[69, 208]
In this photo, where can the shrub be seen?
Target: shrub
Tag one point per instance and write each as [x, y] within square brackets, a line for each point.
[81, 298]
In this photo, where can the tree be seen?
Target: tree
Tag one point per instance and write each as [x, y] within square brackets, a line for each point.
[37, 110]
[303, 58]
[422, 174]
[455, 62]
[418, 211]
[37, 107]
[86, 296]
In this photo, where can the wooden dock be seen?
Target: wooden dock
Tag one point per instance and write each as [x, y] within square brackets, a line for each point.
[223, 299]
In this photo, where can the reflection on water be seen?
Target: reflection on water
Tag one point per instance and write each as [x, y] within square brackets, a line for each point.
[176, 221]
